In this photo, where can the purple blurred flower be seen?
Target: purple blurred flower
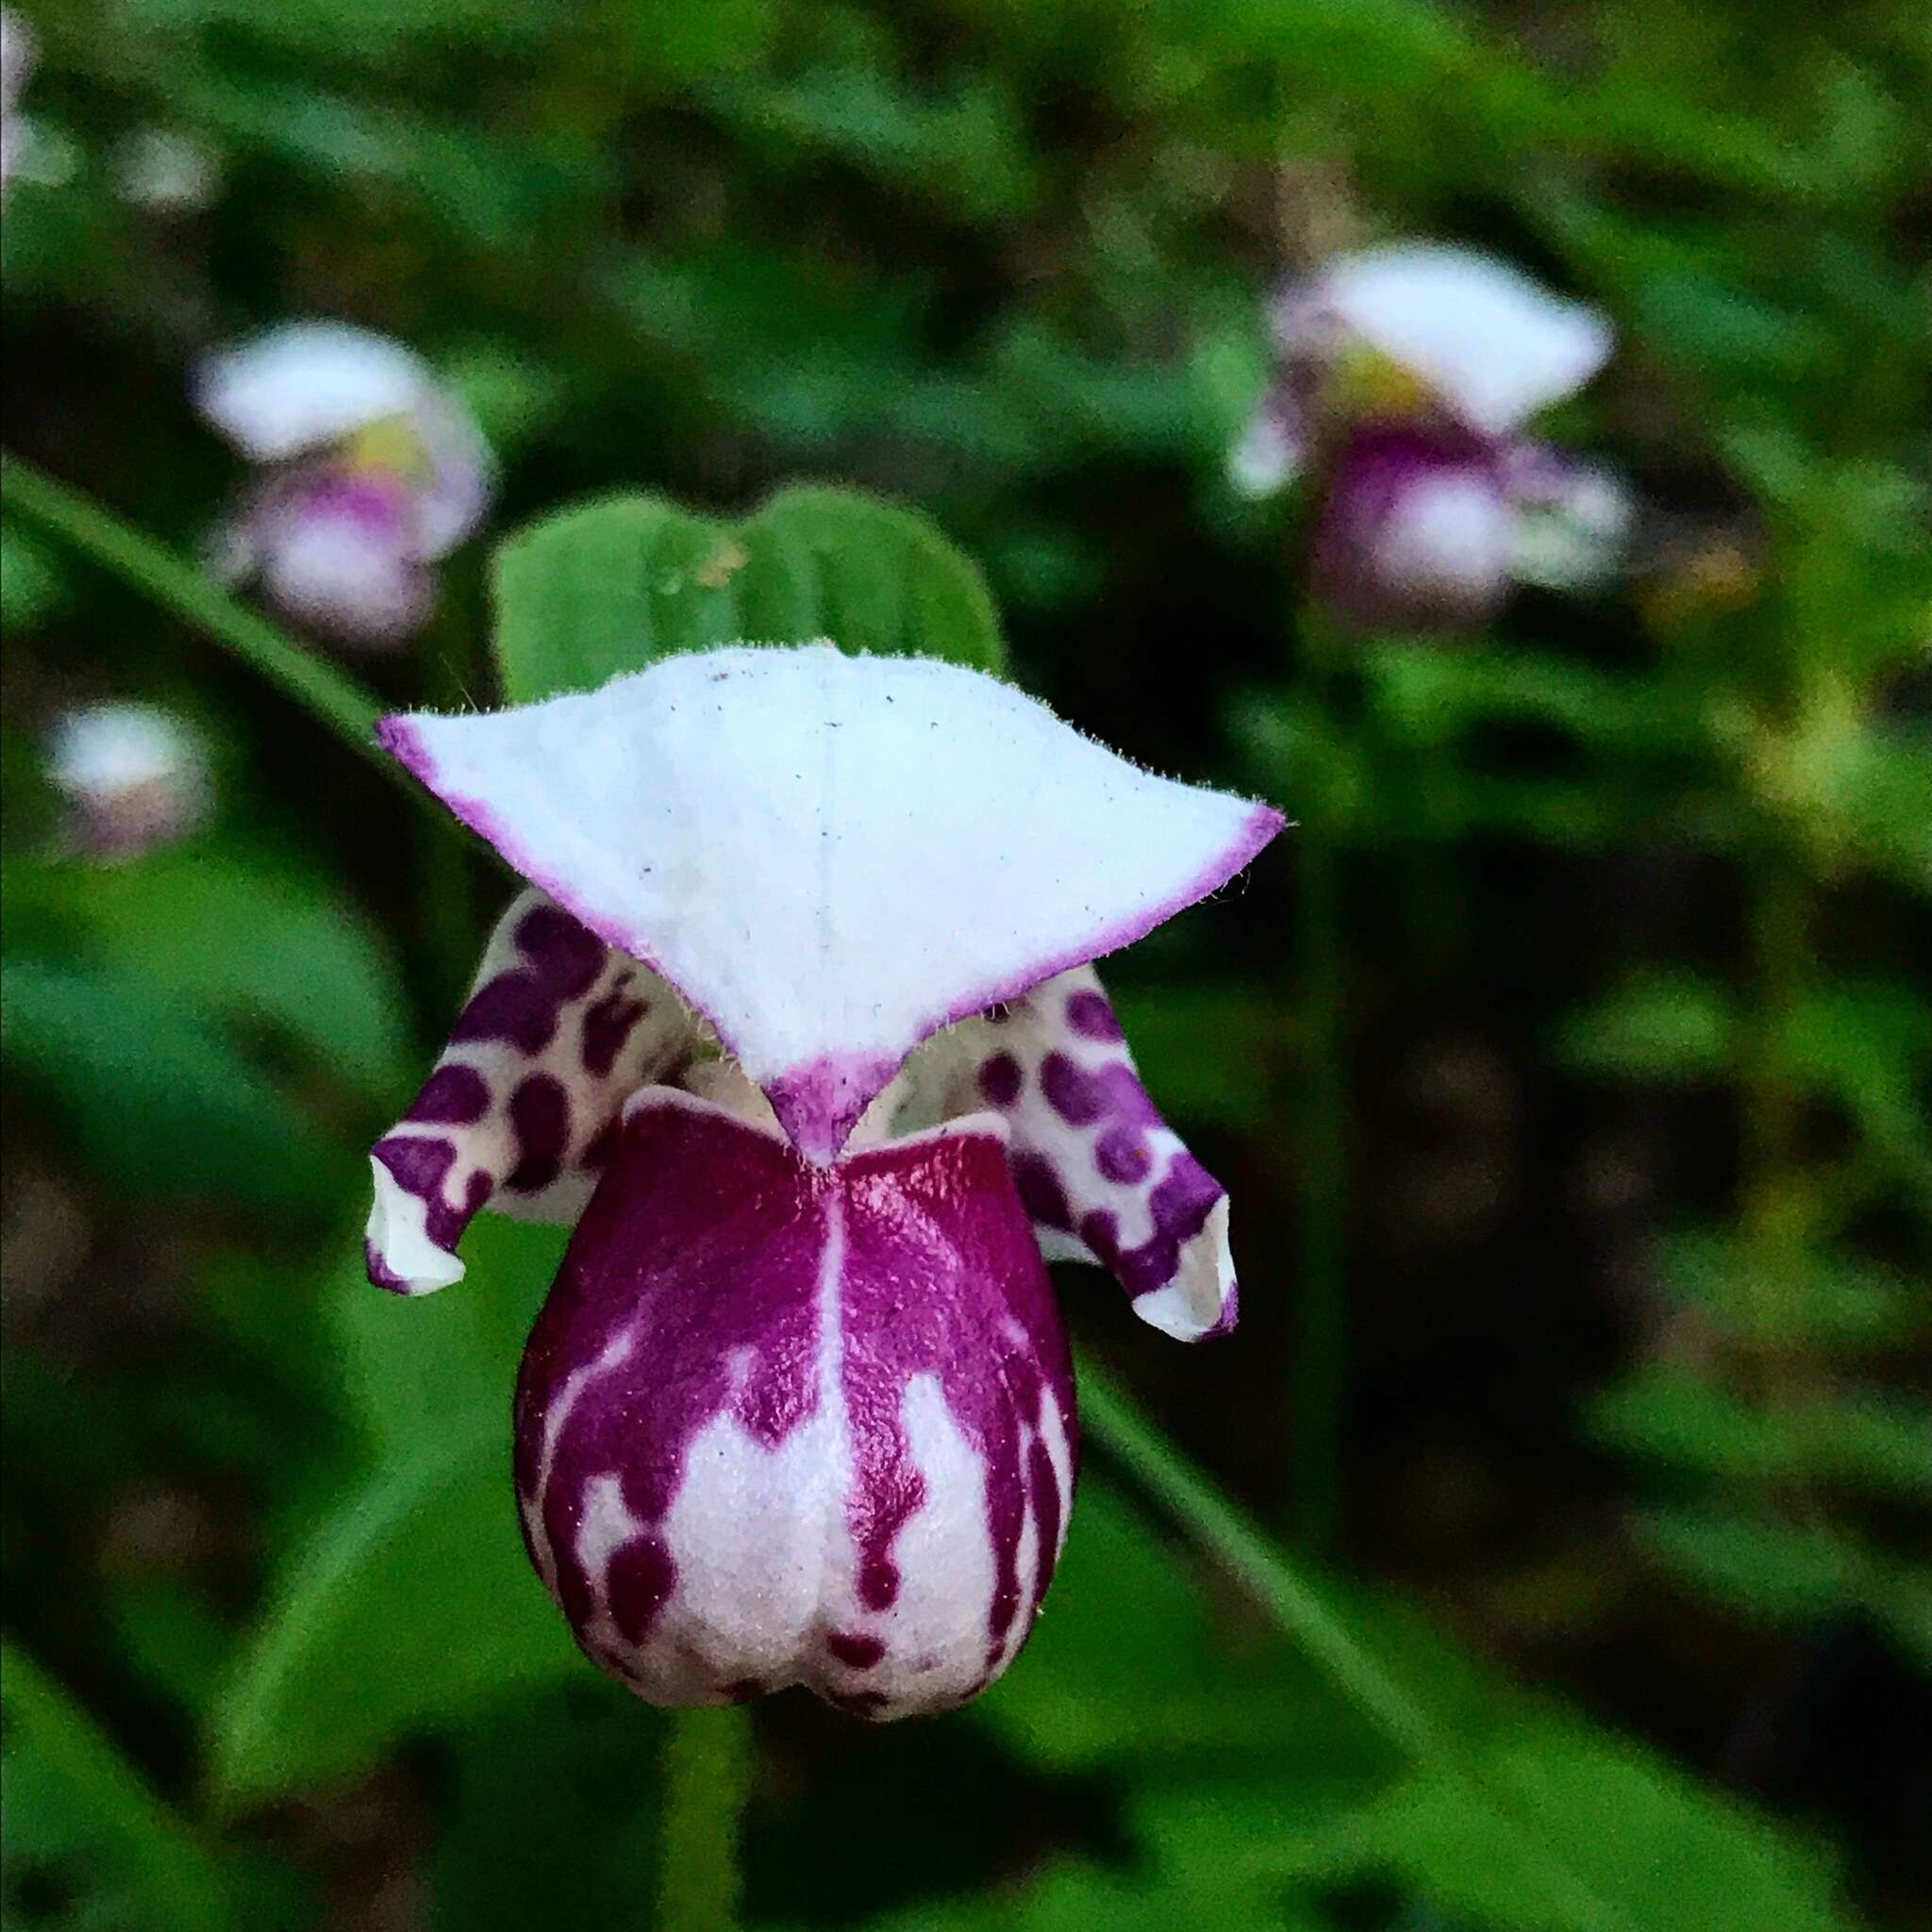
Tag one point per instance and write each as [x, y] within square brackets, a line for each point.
[1407, 377]
[133, 776]
[373, 472]
[796, 1028]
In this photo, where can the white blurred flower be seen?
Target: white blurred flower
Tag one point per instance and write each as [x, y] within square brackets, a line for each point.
[166, 171]
[133, 775]
[374, 473]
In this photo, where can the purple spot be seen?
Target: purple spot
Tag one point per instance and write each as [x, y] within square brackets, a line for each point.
[1040, 1190]
[539, 1119]
[521, 1008]
[566, 955]
[878, 1576]
[1090, 1013]
[1101, 1232]
[1001, 1079]
[1081, 1095]
[1122, 1155]
[1070, 1090]
[640, 1581]
[512, 1009]
[607, 1026]
[453, 1095]
[419, 1163]
[1179, 1207]
[855, 1648]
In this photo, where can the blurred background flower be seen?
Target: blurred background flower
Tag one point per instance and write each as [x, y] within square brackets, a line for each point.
[370, 473]
[1407, 377]
[133, 776]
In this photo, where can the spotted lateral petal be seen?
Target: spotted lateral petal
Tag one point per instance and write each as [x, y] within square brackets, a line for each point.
[1103, 1178]
[522, 1111]
[831, 857]
[781, 1424]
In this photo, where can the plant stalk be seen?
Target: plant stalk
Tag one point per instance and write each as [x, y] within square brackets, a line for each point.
[709, 1759]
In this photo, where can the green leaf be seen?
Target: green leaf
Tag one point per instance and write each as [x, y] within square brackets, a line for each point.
[1824, 1296]
[79, 1772]
[31, 586]
[1674, 1856]
[412, 1603]
[155, 1094]
[613, 585]
[416, 1367]
[256, 940]
[1787, 1572]
[1659, 1025]
[1162, 1685]
[1883, 1443]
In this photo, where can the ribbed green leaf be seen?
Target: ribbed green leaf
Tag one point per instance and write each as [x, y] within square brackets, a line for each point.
[611, 586]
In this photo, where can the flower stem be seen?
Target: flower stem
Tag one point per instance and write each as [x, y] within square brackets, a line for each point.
[707, 1769]
[181, 587]
[1320, 1372]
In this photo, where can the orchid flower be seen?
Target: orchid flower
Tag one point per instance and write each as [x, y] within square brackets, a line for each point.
[373, 472]
[133, 777]
[1407, 378]
[797, 1026]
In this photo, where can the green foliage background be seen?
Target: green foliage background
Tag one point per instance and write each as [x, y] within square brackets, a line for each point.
[1569, 1063]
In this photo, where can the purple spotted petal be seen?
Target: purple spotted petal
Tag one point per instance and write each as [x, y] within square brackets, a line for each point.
[1103, 1178]
[521, 1109]
[831, 857]
[781, 1424]
[1416, 528]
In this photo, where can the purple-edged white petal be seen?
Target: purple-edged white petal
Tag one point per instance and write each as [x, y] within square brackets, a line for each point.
[782, 1425]
[1414, 528]
[1493, 345]
[304, 385]
[521, 1109]
[1103, 1178]
[831, 857]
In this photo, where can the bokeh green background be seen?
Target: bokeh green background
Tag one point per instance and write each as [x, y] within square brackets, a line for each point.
[1569, 1066]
